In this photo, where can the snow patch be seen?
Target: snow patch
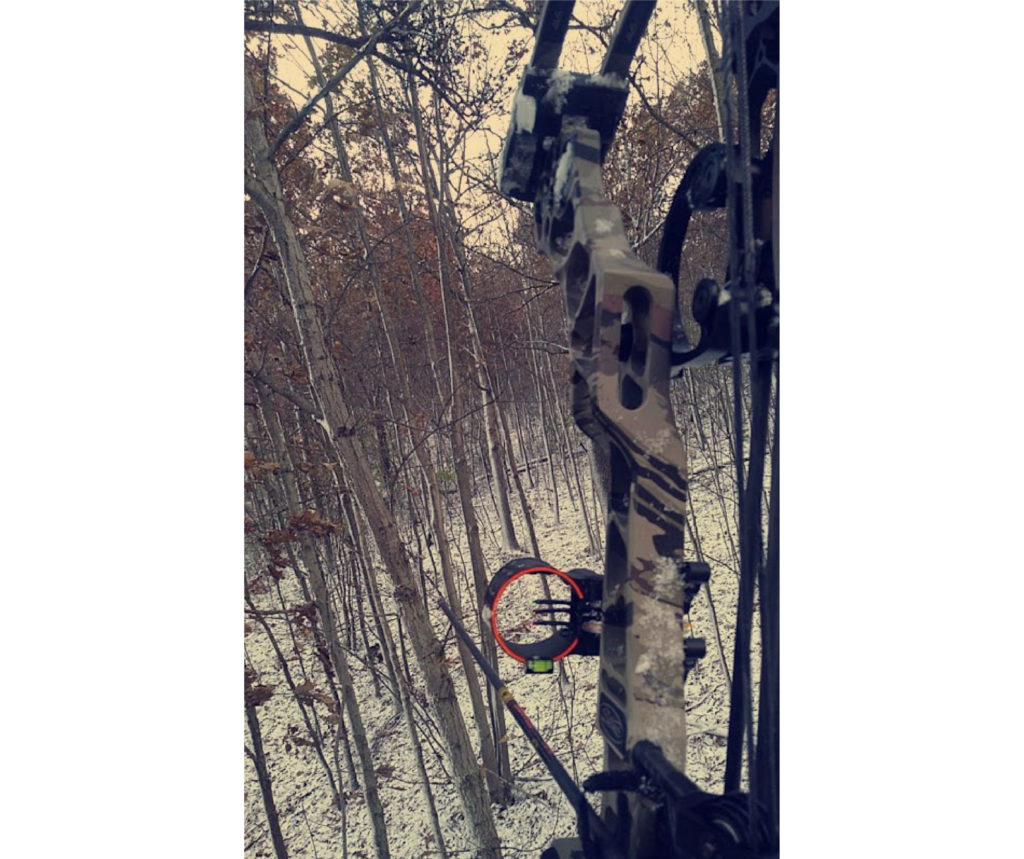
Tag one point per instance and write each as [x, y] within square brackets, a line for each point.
[666, 573]
[656, 442]
[562, 173]
[609, 80]
[514, 166]
[643, 664]
[525, 110]
[311, 822]
[559, 85]
[602, 226]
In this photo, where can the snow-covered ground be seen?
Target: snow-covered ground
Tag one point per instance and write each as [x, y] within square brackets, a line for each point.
[312, 826]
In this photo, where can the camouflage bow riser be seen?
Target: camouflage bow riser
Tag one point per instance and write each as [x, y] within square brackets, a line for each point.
[626, 343]
[621, 315]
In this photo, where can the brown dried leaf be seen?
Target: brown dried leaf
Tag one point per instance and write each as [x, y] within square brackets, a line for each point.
[256, 695]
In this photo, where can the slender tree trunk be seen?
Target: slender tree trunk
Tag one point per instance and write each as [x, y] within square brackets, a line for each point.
[259, 760]
[501, 785]
[527, 515]
[497, 459]
[714, 65]
[544, 419]
[338, 660]
[487, 752]
[492, 750]
[390, 655]
[362, 564]
[593, 540]
[287, 502]
[314, 732]
[334, 416]
[524, 452]
[354, 613]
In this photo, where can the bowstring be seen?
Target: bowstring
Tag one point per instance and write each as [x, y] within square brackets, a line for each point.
[761, 761]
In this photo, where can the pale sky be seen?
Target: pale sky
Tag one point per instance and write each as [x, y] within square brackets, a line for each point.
[678, 49]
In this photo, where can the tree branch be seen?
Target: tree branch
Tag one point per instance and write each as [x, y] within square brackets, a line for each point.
[367, 47]
[297, 30]
[658, 116]
[259, 262]
[262, 380]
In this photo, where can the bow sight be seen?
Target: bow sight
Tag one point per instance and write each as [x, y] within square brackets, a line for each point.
[687, 822]
[626, 343]
[582, 618]
[578, 631]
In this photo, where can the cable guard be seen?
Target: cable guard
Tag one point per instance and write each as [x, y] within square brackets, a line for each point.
[705, 186]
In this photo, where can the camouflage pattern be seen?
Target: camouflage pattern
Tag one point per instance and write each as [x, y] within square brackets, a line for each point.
[620, 314]
[629, 29]
[621, 317]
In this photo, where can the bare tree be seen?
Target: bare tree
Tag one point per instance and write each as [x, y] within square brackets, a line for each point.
[263, 185]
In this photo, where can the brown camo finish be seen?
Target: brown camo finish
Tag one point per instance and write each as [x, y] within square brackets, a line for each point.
[622, 402]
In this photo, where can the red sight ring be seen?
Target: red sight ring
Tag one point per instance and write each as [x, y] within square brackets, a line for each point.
[542, 569]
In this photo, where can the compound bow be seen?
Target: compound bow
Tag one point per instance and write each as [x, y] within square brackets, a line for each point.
[627, 342]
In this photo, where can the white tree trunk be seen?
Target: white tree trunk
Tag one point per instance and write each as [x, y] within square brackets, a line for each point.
[263, 186]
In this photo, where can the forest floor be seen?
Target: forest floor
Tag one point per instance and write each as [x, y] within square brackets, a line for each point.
[313, 827]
